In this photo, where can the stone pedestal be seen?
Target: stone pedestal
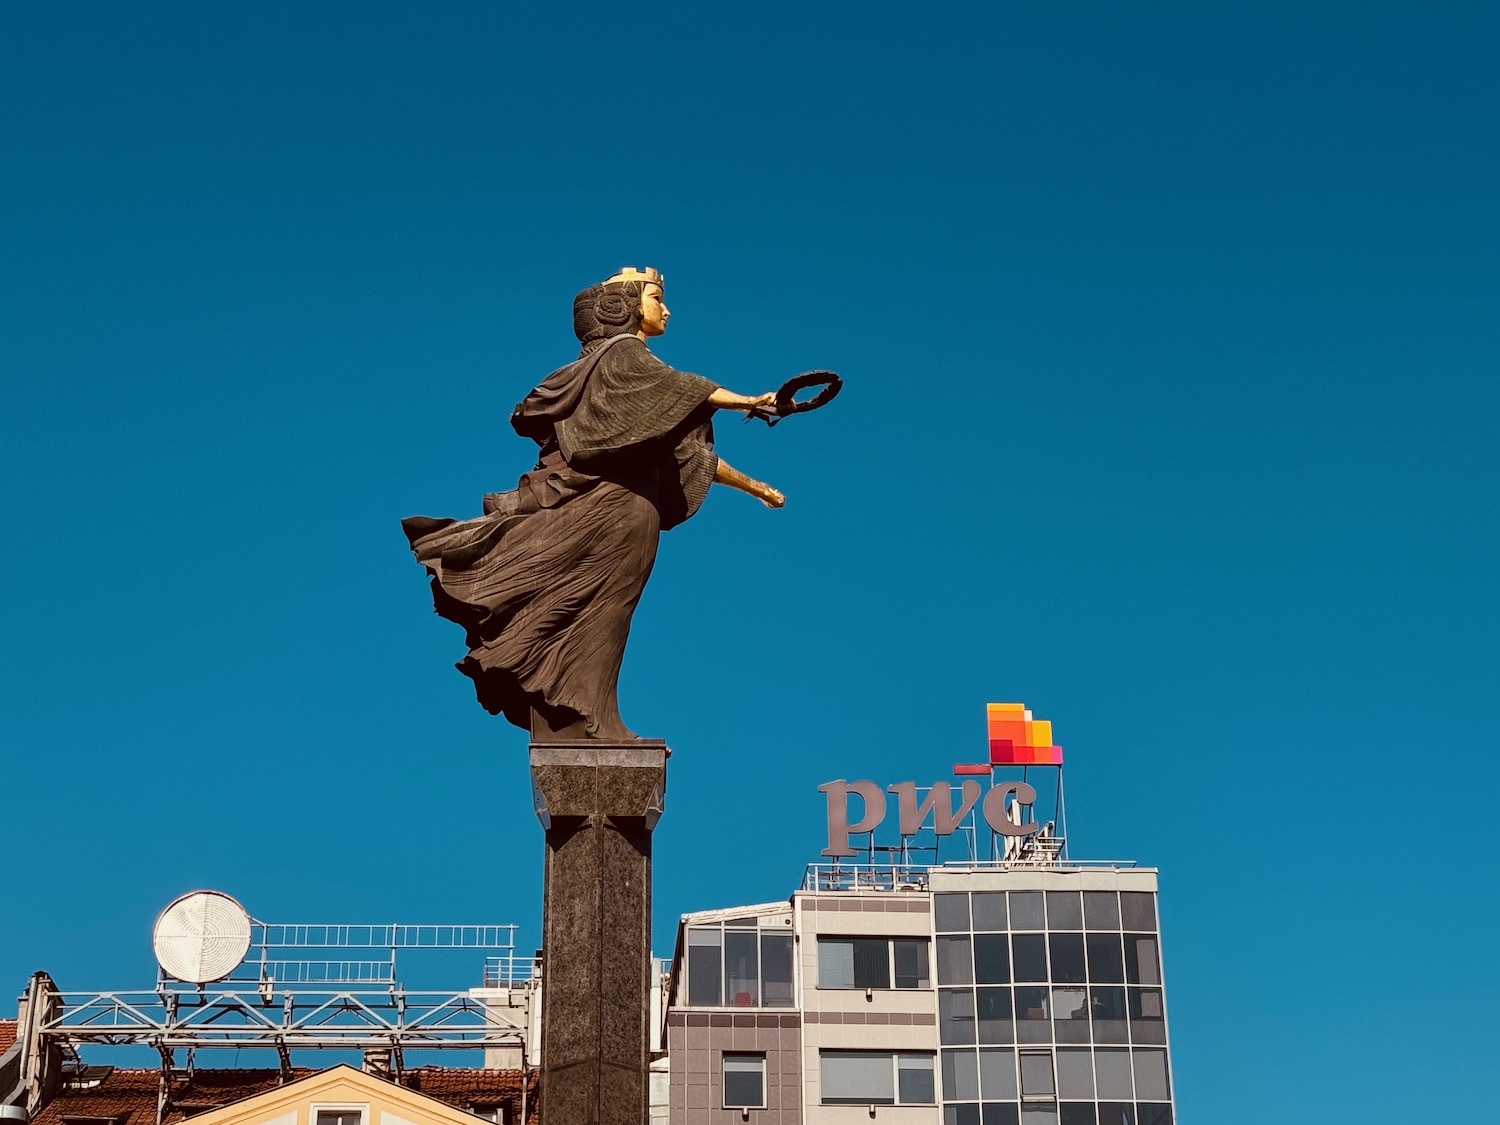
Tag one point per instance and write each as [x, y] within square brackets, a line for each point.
[598, 803]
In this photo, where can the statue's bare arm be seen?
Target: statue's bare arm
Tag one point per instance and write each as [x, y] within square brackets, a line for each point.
[728, 474]
[723, 399]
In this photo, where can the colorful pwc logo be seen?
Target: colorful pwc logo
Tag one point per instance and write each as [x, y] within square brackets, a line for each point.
[1016, 739]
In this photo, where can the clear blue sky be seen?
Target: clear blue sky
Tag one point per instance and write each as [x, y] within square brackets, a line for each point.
[1171, 342]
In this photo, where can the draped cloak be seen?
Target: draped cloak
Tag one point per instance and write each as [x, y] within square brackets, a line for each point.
[545, 582]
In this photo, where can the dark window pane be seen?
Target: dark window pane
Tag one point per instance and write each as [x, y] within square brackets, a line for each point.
[963, 1114]
[741, 968]
[1107, 1005]
[704, 967]
[1147, 1114]
[911, 962]
[992, 1005]
[960, 1076]
[955, 964]
[1032, 1024]
[1116, 1113]
[1036, 1075]
[1077, 1113]
[1027, 911]
[744, 1080]
[1030, 958]
[1141, 964]
[989, 910]
[991, 959]
[1101, 910]
[872, 963]
[1067, 958]
[956, 1015]
[1146, 1016]
[1000, 1113]
[1064, 911]
[915, 1084]
[1138, 910]
[776, 970]
[950, 912]
[1106, 963]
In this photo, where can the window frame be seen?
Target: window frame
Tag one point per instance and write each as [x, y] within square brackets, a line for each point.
[756, 1056]
[314, 1109]
[894, 1058]
[925, 959]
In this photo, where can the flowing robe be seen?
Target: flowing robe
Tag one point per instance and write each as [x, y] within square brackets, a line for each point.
[545, 582]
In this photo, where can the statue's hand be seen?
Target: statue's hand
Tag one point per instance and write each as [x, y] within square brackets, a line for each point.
[770, 497]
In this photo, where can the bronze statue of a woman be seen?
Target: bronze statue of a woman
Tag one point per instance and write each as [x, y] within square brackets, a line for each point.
[545, 582]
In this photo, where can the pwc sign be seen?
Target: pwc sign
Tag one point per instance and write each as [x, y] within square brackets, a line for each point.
[939, 802]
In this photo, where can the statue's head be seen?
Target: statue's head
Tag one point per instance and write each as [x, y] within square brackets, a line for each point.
[628, 303]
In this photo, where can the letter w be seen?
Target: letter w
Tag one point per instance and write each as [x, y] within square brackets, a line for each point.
[939, 802]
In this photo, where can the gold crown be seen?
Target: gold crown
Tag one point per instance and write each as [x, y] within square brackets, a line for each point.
[647, 276]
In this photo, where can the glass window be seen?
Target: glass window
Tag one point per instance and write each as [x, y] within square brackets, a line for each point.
[1138, 910]
[704, 972]
[1000, 1113]
[956, 1015]
[741, 968]
[1077, 1113]
[876, 1078]
[914, 1079]
[1147, 1114]
[1150, 1074]
[991, 959]
[950, 912]
[1036, 1075]
[910, 957]
[835, 963]
[1106, 963]
[1027, 911]
[1030, 959]
[1070, 1014]
[776, 970]
[1064, 912]
[989, 910]
[997, 1074]
[1032, 1024]
[1101, 910]
[1146, 1018]
[1067, 958]
[858, 1078]
[1075, 1072]
[872, 962]
[992, 1006]
[744, 1081]
[961, 1114]
[1112, 1071]
[1107, 1005]
[1116, 1113]
[955, 964]
[1141, 965]
[960, 1076]
[348, 1115]
[1038, 1114]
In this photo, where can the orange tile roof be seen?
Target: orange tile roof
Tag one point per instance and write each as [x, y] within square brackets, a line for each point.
[7, 1035]
[129, 1096]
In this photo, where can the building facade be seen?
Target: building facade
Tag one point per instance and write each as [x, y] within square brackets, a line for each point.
[1000, 994]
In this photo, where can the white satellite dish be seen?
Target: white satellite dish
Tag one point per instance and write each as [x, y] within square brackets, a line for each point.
[201, 937]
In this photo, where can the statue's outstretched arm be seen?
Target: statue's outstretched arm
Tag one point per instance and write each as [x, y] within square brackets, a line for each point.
[724, 399]
[763, 492]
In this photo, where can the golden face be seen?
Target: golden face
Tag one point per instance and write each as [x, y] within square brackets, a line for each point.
[654, 312]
